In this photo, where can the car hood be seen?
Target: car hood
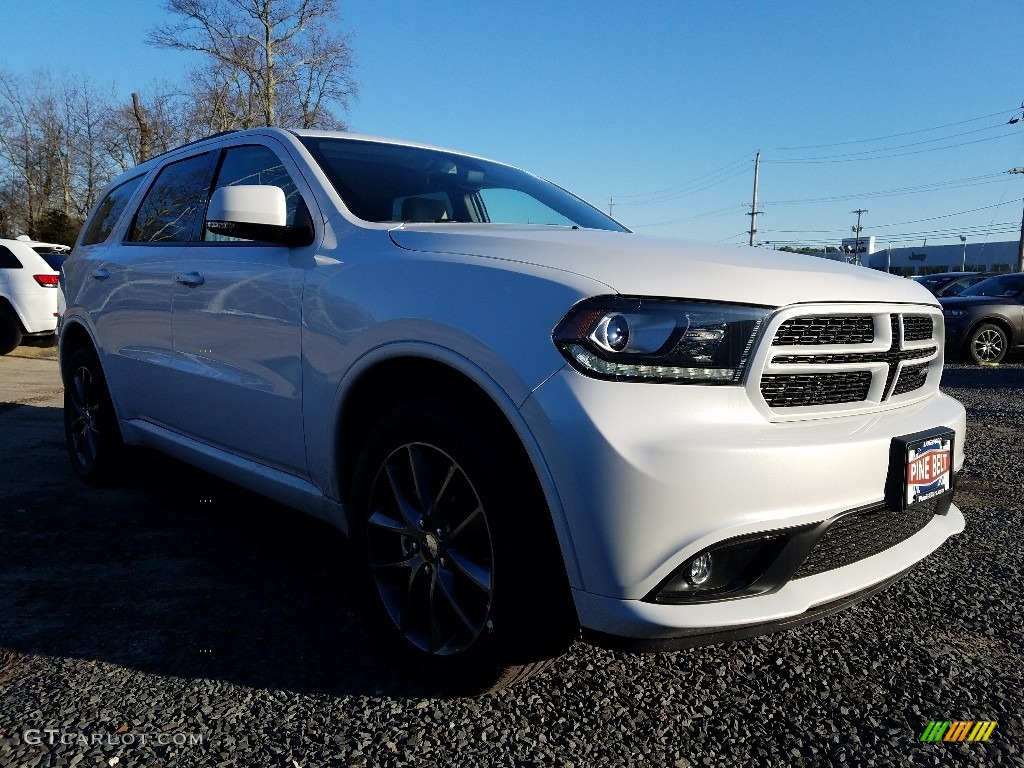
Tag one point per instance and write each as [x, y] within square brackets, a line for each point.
[636, 265]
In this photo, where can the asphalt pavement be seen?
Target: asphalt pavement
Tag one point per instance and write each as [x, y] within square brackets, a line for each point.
[182, 621]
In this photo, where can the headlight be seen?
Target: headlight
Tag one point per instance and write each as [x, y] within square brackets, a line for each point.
[954, 313]
[659, 340]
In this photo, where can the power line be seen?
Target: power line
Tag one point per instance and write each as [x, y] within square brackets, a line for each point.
[684, 192]
[845, 159]
[896, 135]
[915, 143]
[691, 181]
[727, 211]
[971, 181]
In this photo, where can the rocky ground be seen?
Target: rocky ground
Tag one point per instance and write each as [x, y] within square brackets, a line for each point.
[181, 621]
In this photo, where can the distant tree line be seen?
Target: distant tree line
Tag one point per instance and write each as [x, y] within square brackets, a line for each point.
[63, 138]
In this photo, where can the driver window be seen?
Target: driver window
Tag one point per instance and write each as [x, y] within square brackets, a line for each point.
[256, 164]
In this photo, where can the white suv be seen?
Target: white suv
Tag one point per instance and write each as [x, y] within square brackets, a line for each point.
[29, 272]
[532, 423]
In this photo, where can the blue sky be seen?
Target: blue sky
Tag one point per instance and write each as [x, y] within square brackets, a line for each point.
[663, 104]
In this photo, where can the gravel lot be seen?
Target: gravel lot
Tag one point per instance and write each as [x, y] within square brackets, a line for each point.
[179, 609]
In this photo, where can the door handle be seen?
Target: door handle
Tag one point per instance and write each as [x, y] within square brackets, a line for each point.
[100, 273]
[191, 279]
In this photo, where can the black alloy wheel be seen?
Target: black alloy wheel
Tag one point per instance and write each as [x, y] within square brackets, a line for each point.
[462, 568]
[430, 549]
[91, 433]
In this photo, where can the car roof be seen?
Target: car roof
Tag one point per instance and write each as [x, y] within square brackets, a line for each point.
[28, 256]
[298, 133]
[36, 244]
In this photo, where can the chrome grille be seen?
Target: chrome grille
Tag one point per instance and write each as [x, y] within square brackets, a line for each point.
[790, 390]
[825, 329]
[848, 361]
[917, 327]
[911, 378]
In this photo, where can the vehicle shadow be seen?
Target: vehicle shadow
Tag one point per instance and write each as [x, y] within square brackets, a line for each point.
[178, 573]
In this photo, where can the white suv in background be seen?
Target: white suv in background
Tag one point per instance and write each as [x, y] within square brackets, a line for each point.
[534, 424]
[29, 272]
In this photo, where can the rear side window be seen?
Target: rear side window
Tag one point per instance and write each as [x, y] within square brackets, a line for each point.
[168, 212]
[8, 260]
[109, 211]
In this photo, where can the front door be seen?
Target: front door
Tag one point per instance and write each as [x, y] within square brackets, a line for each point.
[237, 315]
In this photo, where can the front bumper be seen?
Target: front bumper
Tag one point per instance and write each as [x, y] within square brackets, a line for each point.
[717, 635]
[648, 475]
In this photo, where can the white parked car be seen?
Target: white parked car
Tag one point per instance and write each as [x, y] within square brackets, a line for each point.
[533, 424]
[29, 272]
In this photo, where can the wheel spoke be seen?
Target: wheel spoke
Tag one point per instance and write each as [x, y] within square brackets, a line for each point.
[478, 574]
[92, 441]
[466, 522]
[420, 476]
[405, 508]
[387, 524]
[444, 487]
[436, 634]
[78, 391]
[446, 590]
[395, 563]
[409, 602]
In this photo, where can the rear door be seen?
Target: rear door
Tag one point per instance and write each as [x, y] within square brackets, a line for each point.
[127, 287]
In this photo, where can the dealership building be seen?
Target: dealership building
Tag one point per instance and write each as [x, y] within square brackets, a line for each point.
[929, 259]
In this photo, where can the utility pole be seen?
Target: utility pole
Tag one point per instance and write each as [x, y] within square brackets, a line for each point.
[1020, 246]
[860, 212]
[611, 205]
[753, 205]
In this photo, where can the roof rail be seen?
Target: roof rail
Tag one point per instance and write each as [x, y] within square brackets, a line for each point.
[195, 141]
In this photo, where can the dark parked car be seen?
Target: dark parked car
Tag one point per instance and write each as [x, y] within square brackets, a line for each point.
[961, 284]
[987, 320]
[951, 283]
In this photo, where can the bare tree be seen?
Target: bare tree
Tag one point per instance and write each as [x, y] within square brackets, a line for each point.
[271, 62]
[23, 147]
[169, 115]
[51, 157]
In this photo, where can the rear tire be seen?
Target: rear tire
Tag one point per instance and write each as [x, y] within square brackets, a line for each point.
[10, 332]
[457, 549]
[987, 344]
[91, 433]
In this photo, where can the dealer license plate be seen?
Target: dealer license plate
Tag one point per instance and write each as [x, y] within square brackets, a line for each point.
[921, 466]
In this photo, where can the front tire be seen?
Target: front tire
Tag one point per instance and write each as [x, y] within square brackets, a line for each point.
[457, 549]
[987, 344]
[91, 433]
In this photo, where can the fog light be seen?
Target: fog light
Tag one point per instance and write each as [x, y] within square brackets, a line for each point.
[700, 569]
[730, 569]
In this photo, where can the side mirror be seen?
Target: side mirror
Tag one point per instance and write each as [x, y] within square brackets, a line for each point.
[255, 212]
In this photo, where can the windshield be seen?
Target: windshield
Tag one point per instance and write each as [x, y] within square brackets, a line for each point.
[931, 281]
[387, 182]
[1004, 285]
[55, 260]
